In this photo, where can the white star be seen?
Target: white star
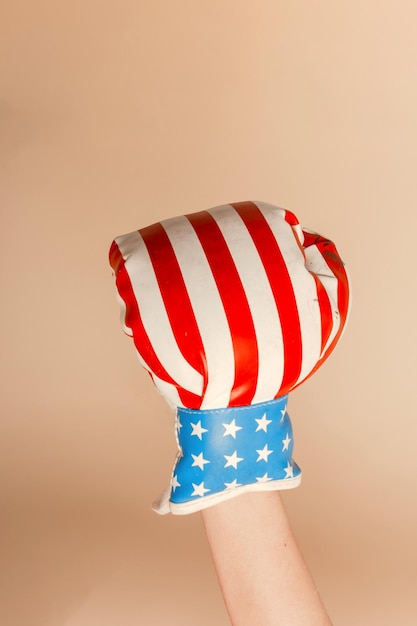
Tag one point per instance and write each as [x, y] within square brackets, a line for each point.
[233, 459]
[264, 478]
[231, 429]
[175, 483]
[198, 430]
[286, 442]
[289, 470]
[199, 490]
[232, 485]
[262, 423]
[199, 461]
[264, 454]
[178, 423]
[283, 412]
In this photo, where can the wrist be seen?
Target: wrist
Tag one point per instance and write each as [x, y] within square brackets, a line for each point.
[226, 452]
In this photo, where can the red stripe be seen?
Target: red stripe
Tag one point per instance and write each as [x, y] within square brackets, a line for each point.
[175, 296]
[325, 312]
[312, 239]
[333, 260]
[290, 218]
[282, 289]
[115, 258]
[235, 304]
[330, 254]
[133, 320]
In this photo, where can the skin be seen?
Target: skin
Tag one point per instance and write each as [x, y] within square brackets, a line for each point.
[262, 574]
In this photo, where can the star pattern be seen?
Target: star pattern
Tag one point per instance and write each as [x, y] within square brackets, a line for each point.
[198, 430]
[263, 479]
[289, 471]
[263, 423]
[199, 490]
[232, 448]
[232, 485]
[231, 429]
[264, 454]
[199, 461]
[233, 459]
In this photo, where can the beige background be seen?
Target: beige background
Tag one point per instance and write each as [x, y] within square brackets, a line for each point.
[115, 114]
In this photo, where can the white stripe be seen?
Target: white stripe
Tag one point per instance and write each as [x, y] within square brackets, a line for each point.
[303, 284]
[208, 310]
[316, 263]
[260, 299]
[153, 313]
[168, 390]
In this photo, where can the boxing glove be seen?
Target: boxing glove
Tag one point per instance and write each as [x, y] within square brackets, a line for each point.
[230, 309]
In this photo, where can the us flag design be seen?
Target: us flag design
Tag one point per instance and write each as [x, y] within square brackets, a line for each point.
[232, 306]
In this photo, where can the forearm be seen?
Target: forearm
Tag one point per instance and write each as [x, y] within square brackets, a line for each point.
[263, 577]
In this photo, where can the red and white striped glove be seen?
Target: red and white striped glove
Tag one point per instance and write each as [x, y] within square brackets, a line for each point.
[230, 309]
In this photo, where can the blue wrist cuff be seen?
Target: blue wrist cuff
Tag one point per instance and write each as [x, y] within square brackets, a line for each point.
[224, 452]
